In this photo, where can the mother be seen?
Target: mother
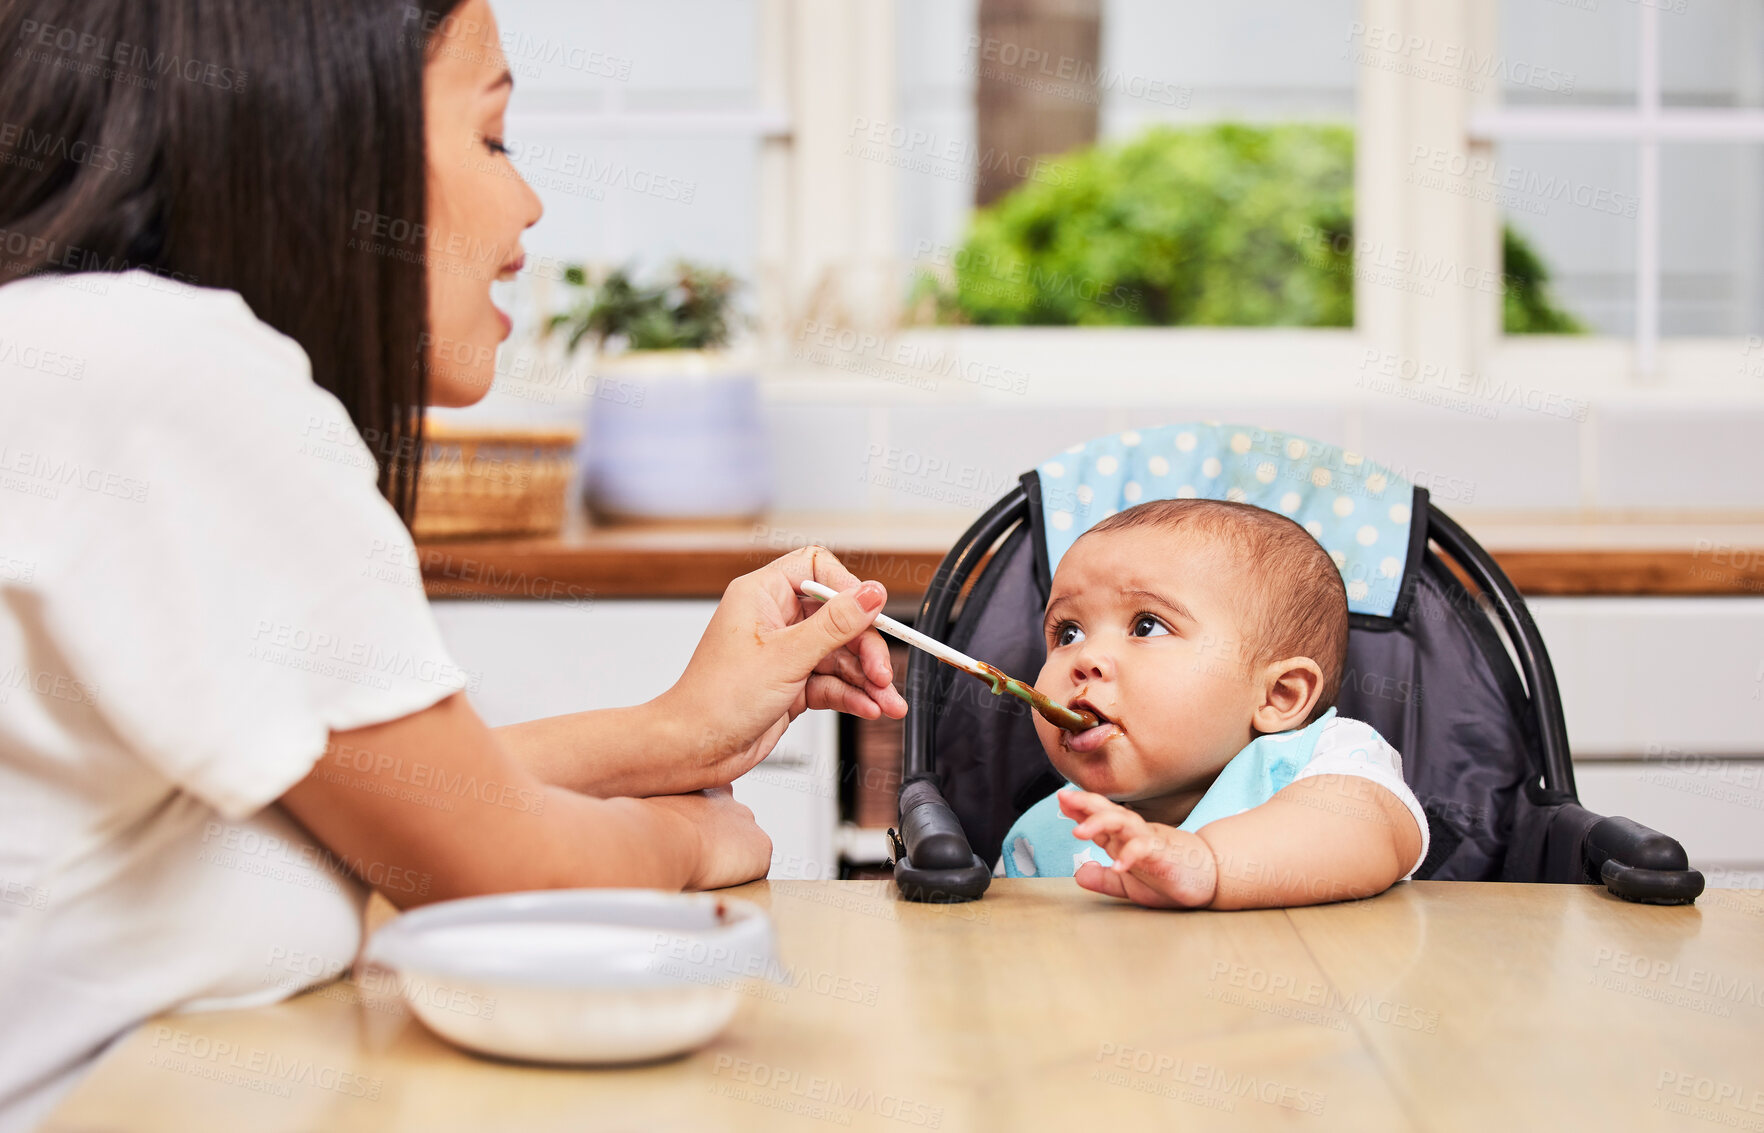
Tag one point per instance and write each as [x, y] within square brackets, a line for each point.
[236, 240]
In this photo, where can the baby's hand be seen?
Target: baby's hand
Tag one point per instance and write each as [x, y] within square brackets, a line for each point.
[1155, 865]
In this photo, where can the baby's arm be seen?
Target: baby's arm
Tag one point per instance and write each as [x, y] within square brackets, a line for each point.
[1324, 838]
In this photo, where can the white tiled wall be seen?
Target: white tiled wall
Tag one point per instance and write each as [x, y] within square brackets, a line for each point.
[961, 458]
[1529, 462]
[1660, 457]
[818, 455]
[1623, 457]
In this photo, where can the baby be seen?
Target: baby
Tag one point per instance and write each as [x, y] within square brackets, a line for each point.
[1209, 637]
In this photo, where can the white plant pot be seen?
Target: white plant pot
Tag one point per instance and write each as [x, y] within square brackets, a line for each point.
[676, 435]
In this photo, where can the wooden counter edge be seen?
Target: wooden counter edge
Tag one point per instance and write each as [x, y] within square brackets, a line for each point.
[552, 570]
[1631, 573]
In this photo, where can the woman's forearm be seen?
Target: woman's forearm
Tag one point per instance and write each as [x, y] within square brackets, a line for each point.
[491, 841]
[637, 751]
[434, 798]
[573, 842]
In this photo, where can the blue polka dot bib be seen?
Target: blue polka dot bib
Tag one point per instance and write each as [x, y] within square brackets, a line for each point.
[1040, 842]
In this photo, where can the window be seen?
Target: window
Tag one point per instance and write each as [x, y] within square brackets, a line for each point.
[641, 126]
[651, 132]
[1617, 137]
[826, 151]
[1647, 133]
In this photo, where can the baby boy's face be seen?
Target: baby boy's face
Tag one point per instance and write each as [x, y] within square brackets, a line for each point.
[1144, 628]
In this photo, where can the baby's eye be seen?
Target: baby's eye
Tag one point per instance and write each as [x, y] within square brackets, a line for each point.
[1147, 626]
[1066, 633]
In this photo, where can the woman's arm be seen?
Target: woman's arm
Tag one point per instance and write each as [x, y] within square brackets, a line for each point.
[605, 752]
[439, 797]
[431, 806]
[766, 655]
[1325, 838]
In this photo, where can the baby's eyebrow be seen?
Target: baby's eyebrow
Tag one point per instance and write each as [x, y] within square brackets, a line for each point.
[1170, 604]
[1053, 607]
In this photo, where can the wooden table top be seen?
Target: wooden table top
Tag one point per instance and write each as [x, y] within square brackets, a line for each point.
[1561, 556]
[1437, 1006]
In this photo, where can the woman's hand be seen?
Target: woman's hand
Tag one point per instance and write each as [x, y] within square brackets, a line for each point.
[732, 849]
[769, 653]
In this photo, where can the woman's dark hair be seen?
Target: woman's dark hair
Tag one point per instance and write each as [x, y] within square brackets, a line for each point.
[268, 147]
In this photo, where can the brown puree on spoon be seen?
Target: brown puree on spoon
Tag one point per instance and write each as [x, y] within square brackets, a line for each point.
[1059, 715]
[1069, 719]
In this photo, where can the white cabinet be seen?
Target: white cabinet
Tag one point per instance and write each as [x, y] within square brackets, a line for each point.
[1665, 705]
[532, 659]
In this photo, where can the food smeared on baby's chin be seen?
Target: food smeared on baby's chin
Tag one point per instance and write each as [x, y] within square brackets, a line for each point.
[1096, 771]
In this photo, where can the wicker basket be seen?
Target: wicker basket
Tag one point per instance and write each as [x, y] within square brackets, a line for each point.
[493, 481]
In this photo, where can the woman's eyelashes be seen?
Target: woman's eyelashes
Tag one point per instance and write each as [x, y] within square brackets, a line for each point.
[496, 146]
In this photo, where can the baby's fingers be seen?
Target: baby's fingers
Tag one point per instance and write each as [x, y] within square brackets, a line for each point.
[1139, 848]
[1177, 869]
[1118, 823]
[1126, 886]
[1079, 805]
[1152, 896]
[1092, 876]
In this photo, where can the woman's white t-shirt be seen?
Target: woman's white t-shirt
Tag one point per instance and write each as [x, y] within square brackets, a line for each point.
[198, 581]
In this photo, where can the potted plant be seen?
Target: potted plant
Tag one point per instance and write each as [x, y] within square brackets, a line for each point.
[674, 430]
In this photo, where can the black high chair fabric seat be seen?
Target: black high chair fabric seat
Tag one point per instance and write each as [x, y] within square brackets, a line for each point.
[1480, 729]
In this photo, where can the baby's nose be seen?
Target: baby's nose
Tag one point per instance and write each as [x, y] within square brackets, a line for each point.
[1093, 663]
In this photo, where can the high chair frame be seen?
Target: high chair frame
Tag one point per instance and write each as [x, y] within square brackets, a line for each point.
[931, 854]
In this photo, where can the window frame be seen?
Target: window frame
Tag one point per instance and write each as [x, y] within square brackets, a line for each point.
[1647, 124]
[829, 258]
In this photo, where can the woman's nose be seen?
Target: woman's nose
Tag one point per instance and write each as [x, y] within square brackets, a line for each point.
[532, 208]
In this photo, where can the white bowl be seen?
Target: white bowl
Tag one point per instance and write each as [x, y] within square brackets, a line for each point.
[576, 976]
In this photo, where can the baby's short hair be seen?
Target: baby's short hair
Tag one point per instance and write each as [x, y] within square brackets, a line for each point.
[1300, 610]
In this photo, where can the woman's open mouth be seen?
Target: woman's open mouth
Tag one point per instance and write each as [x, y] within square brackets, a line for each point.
[1089, 740]
[507, 274]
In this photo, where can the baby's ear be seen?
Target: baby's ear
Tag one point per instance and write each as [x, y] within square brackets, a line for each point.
[1289, 690]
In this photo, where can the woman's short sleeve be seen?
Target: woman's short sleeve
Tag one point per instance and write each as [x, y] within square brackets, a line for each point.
[214, 562]
[1350, 747]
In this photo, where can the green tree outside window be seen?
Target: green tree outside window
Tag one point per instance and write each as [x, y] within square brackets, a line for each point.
[1225, 225]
